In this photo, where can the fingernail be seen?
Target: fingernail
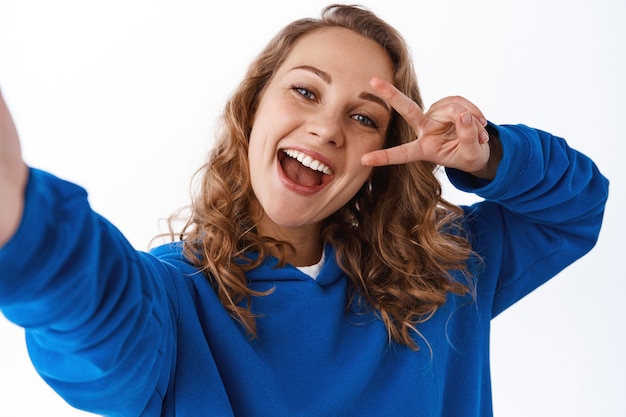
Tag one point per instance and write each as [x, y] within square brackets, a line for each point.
[484, 136]
[466, 118]
[483, 121]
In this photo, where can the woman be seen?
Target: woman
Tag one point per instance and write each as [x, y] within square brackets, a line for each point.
[320, 272]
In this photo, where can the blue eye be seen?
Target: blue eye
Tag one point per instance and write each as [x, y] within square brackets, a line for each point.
[364, 120]
[304, 92]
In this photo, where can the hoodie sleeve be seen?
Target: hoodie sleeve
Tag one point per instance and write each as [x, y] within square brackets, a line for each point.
[542, 212]
[100, 325]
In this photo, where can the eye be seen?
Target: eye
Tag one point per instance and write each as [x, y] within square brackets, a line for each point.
[304, 92]
[364, 120]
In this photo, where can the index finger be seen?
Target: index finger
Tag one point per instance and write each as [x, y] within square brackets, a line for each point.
[397, 155]
[407, 108]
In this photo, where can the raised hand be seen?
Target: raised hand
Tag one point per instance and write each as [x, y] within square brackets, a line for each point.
[451, 133]
[13, 175]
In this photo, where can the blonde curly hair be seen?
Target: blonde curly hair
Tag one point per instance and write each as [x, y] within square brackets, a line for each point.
[397, 239]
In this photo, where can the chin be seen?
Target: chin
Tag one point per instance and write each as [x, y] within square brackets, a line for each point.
[290, 220]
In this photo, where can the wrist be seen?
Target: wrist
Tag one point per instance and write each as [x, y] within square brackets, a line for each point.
[488, 172]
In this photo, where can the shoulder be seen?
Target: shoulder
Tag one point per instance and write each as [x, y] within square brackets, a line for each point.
[173, 258]
[169, 251]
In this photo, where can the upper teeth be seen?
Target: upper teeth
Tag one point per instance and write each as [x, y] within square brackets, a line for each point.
[308, 162]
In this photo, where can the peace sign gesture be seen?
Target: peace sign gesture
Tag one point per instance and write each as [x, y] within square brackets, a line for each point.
[451, 133]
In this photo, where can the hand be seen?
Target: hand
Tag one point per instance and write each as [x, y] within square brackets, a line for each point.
[451, 133]
[13, 175]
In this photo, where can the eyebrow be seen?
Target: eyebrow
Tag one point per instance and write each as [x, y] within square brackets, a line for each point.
[328, 79]
[374, 98]
[322, 74]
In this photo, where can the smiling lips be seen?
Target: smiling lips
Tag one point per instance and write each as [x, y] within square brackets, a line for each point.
[303, 170]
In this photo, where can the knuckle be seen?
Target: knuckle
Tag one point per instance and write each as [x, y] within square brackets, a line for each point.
[413, 111]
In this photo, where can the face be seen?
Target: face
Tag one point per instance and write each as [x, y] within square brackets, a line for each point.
[316, 118]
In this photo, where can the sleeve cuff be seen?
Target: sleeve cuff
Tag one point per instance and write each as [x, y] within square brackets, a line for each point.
[516, 152]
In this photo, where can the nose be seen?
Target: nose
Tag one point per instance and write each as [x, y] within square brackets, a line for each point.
[326, 125]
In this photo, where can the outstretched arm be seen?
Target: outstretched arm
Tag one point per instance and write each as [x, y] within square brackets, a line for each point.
[13, 175]
[100, 317]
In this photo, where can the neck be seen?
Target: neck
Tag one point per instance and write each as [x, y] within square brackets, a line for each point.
[306, 241]
[306, 253]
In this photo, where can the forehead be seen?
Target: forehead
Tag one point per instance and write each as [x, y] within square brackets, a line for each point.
[342, 52]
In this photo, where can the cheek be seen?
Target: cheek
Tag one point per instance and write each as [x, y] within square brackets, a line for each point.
[271, 109]
[260, 134]
[361, 146]
[359, 175]
[256, 151]
[366, 175]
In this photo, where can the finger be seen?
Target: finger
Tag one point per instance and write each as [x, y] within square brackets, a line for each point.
[401, 154]
[450, 111]
[480, 130]
[473, 153]
[406, 107]
[466, 128]
[463, 103]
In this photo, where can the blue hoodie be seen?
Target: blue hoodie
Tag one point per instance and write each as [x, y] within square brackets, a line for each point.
[121, 332]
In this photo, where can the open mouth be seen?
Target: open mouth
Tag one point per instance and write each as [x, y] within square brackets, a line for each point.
[304, 170]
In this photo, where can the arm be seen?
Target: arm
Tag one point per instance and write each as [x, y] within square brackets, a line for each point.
[542, 211]
[13, 175]
[100, 317]
[545, 200]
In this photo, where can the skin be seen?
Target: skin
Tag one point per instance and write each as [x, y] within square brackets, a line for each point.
[452, 134]
[315, 103]
[333, 104]
[13, 176]
[321, 104]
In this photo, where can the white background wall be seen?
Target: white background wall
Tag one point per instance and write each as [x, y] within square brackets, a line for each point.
[122, 97]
